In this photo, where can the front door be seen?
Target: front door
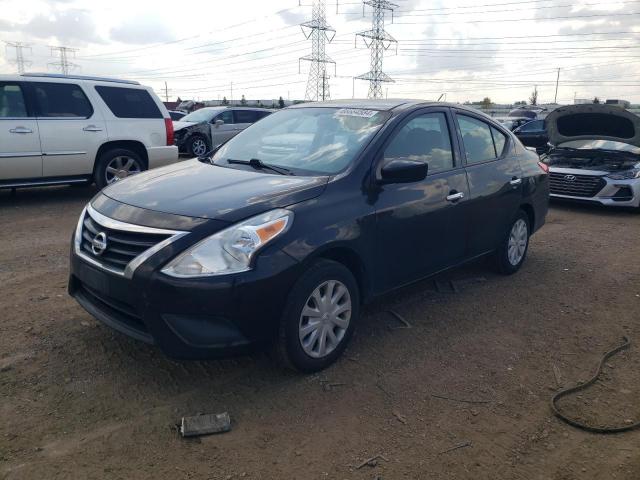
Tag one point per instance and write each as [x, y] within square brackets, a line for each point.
[71, 131]
[221, 132]
[421, 226]
[20, 154]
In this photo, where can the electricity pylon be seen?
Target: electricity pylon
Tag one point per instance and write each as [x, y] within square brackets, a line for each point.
[64, 65]
[319, 32]
[377, 40]
[19, 61]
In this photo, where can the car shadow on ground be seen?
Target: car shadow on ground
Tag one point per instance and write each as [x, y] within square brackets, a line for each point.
[49, 196]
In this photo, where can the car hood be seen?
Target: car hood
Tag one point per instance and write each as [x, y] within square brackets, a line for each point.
[179, 125]
[593, 122]
[195, 189]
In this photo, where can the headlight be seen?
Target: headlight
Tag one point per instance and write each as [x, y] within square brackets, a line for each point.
[625, 175]
[230, 250]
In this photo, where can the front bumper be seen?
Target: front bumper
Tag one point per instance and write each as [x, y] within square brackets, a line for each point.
[188, 318]
[618, 193]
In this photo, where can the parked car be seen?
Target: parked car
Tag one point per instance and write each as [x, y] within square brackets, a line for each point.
[532, 112]
[534, 134]
[200, 131]
[214, 255]
[58, 129]
[595, 155]
[176, 115]
[512, 122]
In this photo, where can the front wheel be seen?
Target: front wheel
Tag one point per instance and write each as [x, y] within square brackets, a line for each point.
[513, 250]
[198, 146]
[319, 318]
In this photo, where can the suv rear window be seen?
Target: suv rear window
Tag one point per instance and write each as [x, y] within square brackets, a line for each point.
[61, 100]
[129, 102]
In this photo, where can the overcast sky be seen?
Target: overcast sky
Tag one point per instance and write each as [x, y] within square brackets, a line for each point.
[467, 50]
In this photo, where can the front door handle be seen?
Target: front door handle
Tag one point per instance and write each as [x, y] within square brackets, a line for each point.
[515, 182]
[455, 196]
[92, 128]
[21, 130]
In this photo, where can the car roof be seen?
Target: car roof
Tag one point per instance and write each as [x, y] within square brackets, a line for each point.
[58, 76]
[386, 104]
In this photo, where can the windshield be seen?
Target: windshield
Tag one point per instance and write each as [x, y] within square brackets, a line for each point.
[313, 140]
[202, 115]
[600, 145]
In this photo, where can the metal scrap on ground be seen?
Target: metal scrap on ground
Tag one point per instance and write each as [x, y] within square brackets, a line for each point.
[205, 424]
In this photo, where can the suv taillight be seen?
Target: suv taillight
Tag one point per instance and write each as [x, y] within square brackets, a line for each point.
[544, 167]
[168, 125]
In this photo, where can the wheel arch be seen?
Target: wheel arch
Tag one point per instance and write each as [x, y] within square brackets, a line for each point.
[133, 145]
[349, 258]
[531, 215]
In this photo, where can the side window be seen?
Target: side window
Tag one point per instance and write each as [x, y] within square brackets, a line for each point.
[226, 117]
[424, 138]
[129, 102]
[12, 104]
[245, 116]
[499, 140]
[533, 126]
[477, 139]
[61, 100]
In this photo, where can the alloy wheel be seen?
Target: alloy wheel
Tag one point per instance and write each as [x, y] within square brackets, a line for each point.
[198, 147]
[517, 245]
[325, 319]
[121, 167]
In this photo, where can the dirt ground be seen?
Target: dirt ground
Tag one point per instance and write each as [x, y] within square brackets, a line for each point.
[79, 401]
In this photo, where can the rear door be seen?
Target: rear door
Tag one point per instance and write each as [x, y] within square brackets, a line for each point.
[71, 130]
[225, 131]
[421, 227]
[244, 118]
[495, 181]
[20, 154]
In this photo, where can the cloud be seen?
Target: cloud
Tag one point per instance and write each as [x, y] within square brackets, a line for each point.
[67, 26]
[152, 30]
[294, 18]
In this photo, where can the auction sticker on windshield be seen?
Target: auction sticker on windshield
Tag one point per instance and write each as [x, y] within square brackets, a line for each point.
[356, 112]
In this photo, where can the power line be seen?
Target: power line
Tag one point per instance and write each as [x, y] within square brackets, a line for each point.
[319, 31]
[19, 61]
[64, 64]
[377, 40]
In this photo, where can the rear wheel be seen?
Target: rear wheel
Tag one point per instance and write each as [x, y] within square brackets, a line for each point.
[513, 250]
[319, 318]
[116, 164]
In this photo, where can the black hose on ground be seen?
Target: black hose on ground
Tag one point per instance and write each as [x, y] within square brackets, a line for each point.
[569, 391]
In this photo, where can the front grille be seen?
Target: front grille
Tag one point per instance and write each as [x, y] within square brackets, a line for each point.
[575, 185]
[121, 246]
[117, 310]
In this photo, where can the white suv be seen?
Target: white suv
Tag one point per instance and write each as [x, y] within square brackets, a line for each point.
[58, 129]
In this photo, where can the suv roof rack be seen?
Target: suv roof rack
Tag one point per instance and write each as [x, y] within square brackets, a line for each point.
[80, 77]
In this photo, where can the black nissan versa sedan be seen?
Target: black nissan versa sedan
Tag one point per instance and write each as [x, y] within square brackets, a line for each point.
[280, 235]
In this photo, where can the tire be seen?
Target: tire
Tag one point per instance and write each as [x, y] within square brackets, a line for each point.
[107, 169]
[197, 145]
[295, 347]
[506, 263]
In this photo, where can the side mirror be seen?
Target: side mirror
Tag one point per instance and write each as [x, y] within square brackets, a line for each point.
[403, 171]
[218, 122]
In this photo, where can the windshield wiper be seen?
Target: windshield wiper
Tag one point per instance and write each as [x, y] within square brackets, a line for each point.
[260, 165]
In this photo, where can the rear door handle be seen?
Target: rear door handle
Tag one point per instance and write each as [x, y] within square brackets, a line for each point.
[92, 128]
[454, 197]
[515, 182]
[21, 130]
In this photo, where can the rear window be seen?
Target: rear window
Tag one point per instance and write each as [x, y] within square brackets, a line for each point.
[598, 124]
[61, 100]
[245, 116]
[129, 102]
